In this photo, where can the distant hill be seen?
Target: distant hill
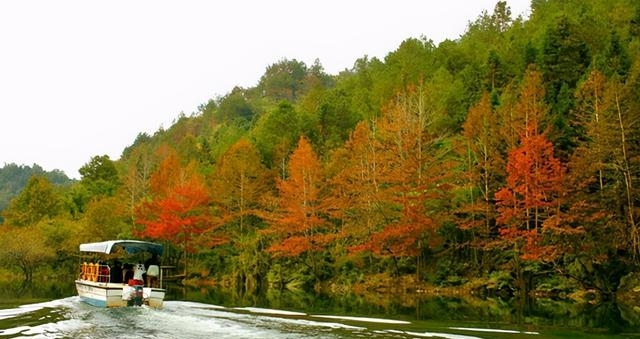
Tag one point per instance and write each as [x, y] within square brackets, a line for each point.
[13, 179]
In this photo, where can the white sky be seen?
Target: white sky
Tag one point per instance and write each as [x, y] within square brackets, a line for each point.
[83, 78]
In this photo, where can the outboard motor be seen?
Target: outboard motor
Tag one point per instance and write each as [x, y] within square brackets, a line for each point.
[136, 296]
[134, 293]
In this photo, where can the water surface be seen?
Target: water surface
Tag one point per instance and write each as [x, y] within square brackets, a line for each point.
[71, 318]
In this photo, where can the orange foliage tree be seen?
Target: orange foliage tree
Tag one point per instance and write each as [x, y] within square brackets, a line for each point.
[357, 196]
[603, 168]
[178, 209]
[485, 169]
[298, 224]
[240, 183]
[408, 179]
[533, 192]
[589, 214]
[531, 196]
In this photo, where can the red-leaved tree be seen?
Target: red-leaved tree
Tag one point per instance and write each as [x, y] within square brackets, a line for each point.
[178, 209]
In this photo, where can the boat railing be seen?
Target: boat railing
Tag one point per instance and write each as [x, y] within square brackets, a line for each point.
[95, 272]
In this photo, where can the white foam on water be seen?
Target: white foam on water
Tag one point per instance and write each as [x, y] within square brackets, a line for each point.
[492, 330]
[363, 319]
[13, 312]
[308, 323]
[190, 304]
[178, 321]
[58, 329]
[14, 331]
[54, 329]
[72, 318]
[268, 311]
[260, 323]
[199, 325]
[198, 309]
[441, 335]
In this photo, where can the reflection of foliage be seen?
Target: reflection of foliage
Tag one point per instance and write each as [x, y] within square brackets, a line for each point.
[605, 315]
[496, 283]
[289, 275]
[572, 318]
[630, 314]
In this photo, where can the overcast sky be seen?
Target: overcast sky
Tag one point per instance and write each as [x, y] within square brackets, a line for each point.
[83, 78]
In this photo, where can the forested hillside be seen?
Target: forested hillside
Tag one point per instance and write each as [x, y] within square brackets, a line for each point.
[13, 178]
[509, 156]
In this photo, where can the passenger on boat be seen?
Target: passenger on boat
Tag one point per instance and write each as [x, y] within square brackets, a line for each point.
[151, 275]
[138, 271]
[128, 273]
[153, 260]
[116, 272]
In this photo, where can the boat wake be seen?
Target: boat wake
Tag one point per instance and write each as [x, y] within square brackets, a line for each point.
[71, 318]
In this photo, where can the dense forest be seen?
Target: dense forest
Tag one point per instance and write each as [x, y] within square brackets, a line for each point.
[13, 179]
[508, 157]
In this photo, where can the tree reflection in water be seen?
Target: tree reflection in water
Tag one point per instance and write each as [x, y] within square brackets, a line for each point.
[607, 317]
[524, 313]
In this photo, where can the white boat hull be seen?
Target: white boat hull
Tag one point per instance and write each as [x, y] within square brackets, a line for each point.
[109, 295]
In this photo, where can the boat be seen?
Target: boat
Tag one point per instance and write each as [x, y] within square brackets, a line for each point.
[113, 274]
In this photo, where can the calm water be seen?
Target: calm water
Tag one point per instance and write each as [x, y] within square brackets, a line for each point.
[448, 318]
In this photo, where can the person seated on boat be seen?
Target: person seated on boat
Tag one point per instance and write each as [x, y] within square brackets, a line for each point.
[138, 271]
[152, 261]
[116, 272]
[127, 273]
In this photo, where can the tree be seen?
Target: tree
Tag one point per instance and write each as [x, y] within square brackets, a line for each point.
[14, 178]
[276, 132]
[410, 63]
[485, 171]
[530, 202]
[533, 187]
[357, 196]
[100, 176]
[106, 219]
[244, 188]
[616, 60]
[565, 57]
[607, 156]
[299, 227]
[135, 182]
[532, 197]
[234, 106]
[178, 209]
[240, 182]
[407, 155]
[37, 201]
[24, 248]
[534, 175]
[592, 206]
[336, 120]
[284, 80]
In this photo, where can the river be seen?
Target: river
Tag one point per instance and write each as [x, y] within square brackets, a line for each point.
[68, 317]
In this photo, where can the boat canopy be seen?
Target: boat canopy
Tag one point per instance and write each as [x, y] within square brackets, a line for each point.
[130, 246]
